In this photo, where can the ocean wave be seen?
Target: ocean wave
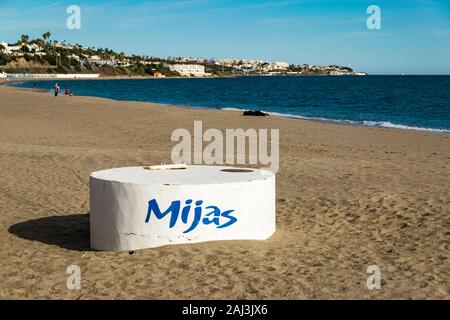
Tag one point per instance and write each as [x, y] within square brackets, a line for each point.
[233, 109]
[364, 123]
[387, 124]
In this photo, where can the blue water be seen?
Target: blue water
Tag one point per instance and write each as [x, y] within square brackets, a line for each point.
[408, 102]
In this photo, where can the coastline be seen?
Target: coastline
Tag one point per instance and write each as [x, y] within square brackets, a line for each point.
[347, 197]
[345, 122]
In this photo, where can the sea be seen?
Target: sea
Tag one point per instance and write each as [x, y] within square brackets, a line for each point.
[404, 102]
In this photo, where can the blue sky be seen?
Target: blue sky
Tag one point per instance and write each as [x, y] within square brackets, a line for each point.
[414, 39]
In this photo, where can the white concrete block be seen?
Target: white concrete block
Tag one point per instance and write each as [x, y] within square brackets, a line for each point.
[136, 208]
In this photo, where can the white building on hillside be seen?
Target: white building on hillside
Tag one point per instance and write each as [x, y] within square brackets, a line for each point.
[34, 47]
[4, 45]
[279, 65]
[187, 70]
[227, 62]
[63, 45]
[96, 60]
[10, 49]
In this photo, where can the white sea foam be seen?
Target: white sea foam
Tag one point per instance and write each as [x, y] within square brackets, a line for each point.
[387, 124]
[232, 109]
[365, 123]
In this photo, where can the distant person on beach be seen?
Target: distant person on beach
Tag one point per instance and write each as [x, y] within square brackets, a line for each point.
[71, 93]
[56, 88]
[66, 92]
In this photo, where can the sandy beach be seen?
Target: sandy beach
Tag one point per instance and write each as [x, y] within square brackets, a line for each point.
[347, 198]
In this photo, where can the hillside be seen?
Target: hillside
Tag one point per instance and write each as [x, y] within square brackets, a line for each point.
[43, 55]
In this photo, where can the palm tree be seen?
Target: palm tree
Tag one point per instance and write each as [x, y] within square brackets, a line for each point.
[24, 38]
[46, 35]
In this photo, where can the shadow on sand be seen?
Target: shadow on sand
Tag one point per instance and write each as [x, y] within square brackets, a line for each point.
[69, 232]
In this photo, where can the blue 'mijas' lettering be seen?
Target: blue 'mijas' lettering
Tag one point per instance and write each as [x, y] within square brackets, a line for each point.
[216, 220]
[174, 209]
[197, 214]
[213, 217]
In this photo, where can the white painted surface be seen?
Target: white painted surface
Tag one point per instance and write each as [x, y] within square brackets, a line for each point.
[52, 76]
[195, 70]
[77, 76]
[120, 202]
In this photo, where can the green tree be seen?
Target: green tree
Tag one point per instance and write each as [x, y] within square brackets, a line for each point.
[24, 38]
[25, 49]
[39, 42]
[4, 59]
[46, 35]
